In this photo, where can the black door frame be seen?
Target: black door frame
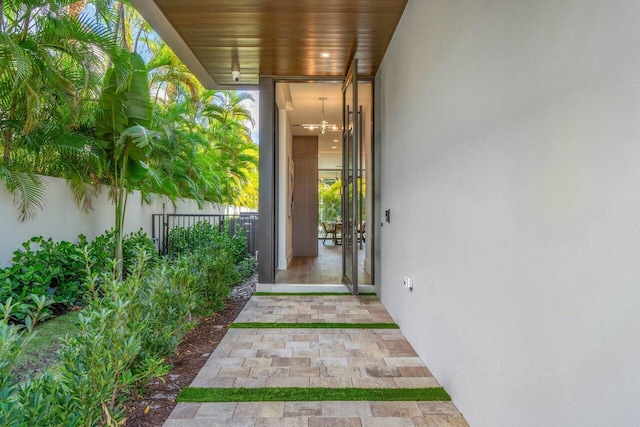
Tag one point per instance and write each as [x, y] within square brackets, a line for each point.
[267, 169]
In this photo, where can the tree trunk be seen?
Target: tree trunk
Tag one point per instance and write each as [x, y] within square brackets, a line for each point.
[123, 26]
[1, 15]
[8, 140]
[25, 25]
[121, 209]
[119, 214]
[135, 43]
[77, 7]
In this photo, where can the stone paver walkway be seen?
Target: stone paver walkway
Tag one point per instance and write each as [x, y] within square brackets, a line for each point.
[306, 357]
[315, 309]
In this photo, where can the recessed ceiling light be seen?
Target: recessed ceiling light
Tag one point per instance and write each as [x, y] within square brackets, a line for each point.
[335, 140]
[334, 147]
[324, 55]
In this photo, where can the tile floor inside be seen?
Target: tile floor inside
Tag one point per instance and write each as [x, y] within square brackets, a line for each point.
[305, 357]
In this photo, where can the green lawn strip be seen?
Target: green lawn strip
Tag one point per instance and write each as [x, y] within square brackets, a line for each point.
[289, 394]
[313, 294]
[282, 325]
[41, 351]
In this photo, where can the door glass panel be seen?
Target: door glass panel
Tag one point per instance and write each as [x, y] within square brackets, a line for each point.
[350, 192]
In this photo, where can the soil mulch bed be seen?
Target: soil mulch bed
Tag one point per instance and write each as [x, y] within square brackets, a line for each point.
[155, 406]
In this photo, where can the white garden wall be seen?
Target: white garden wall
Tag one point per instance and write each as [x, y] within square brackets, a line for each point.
[510, 135]
[63, 220]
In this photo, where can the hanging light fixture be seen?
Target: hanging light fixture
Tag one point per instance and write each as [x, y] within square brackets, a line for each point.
[324, 126]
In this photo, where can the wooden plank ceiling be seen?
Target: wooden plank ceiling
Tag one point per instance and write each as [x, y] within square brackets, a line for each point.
[284, 38]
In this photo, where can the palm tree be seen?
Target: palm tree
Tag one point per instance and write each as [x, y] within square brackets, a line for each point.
[48, 60]
[170, 79]
[234, 152]
[183, 142]
[210, 155]
[53, 55]
[122, 120]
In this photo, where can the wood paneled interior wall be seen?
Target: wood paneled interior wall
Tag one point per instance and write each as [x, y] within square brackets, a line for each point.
[305, 196]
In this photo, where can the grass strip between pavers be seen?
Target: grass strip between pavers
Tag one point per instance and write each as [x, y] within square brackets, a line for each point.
[290, 394]
[311, 294]
[283, 325]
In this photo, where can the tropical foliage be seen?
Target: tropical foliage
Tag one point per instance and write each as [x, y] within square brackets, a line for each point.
[330, 201]
[126, 332]
[127, 328]
[63, 62]
[50, 63]
[89, 93]
[122, 120]
[330, 198]
[48, 278]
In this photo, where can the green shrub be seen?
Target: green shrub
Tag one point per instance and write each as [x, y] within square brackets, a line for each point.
[125, 332]
[246, 268]
[46, 402]
[55, 269]
[233, 242]
[186, 240]
[218, 276]
[121, 342]
[48, 276]
[204, 235]
[102, 248]
[162, 305]
[221, 251]
[45, 277]
[208, 277]
[102, 364]
[100, 252]
[10, 344]
[135, 243]
[39, 403]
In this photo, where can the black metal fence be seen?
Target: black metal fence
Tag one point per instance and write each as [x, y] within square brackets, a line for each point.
[163, 224]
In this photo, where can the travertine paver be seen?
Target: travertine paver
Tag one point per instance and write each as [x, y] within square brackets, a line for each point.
[307, 357]
[314, 309]
[335, 358]
[387, 414]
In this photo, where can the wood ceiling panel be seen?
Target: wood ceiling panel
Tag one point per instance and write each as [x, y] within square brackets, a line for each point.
[284, 37]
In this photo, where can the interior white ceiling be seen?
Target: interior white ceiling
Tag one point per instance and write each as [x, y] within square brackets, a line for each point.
[304, 106]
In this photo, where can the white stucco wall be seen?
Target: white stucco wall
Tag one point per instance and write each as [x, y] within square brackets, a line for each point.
[63, 220]
[510, 146]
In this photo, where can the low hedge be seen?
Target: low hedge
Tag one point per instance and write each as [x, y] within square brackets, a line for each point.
[51, 276]
[127, 330]
[47, 278]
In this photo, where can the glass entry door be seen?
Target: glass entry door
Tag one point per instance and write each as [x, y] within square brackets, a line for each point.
[350, 193]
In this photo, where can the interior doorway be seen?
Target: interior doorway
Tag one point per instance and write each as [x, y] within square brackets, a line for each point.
[313, 113]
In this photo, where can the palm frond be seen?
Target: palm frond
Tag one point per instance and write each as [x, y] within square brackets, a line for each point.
[83, 192]
[27, 189]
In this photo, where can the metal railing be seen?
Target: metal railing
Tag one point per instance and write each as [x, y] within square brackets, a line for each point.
[163, 224]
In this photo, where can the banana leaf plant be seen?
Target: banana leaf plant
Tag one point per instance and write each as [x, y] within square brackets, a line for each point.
[123, 118]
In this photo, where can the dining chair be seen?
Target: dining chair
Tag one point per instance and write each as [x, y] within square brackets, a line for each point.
[362, 233]
[328, 232]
